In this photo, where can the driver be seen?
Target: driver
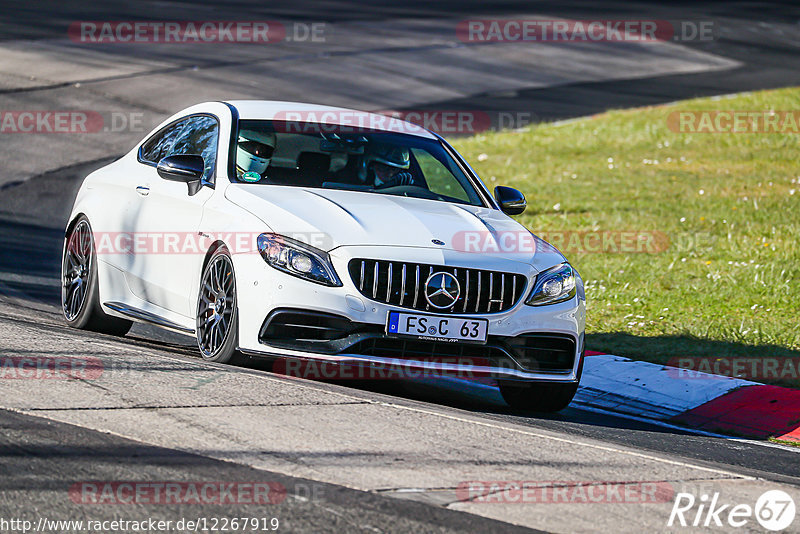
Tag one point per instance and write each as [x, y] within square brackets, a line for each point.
[253, 154]
[388, 165]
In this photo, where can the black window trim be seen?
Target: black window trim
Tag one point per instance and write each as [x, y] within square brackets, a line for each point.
[210, 183]
[233, 143]
[470, 173]
[483, 193]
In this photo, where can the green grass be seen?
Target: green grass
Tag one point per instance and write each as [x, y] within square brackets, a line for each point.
[728, 282]
[784, 442]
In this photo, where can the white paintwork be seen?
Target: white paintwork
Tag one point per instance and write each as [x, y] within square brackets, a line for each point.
[353, 224]
[335, 218]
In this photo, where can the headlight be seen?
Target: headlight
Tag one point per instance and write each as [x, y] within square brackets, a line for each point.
[297, 259]
[553, 285]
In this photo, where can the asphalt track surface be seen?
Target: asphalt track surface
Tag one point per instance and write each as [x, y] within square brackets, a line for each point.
[380, 456]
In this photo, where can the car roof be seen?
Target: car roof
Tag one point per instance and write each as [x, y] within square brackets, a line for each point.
[301, 112]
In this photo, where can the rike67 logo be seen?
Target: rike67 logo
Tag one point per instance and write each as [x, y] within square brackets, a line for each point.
[774, 510]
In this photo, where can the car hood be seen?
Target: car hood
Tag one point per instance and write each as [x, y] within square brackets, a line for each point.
[329, 219]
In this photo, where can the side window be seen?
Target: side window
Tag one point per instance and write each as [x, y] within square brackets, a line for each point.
[198, 137]
[440, 180]
[155, 148]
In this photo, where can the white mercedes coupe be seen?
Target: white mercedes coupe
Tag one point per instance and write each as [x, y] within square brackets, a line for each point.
[311, 233]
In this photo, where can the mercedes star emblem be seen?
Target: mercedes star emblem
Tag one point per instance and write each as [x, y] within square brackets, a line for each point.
[442, 290]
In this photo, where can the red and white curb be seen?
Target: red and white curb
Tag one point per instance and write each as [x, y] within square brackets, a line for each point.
[690, 399]
[678, 398]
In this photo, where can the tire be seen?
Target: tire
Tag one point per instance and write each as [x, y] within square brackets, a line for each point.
[80, 297]
[217, 326]
[540, 397]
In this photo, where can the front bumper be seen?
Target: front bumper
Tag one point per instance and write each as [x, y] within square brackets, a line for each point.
[263, 292]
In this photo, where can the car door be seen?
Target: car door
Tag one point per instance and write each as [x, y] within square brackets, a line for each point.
[115, 220]
[169, 220]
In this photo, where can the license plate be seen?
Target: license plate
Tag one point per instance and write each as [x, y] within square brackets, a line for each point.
[437, 328]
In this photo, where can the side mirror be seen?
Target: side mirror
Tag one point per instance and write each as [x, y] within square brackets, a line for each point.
[183, 168]
[511, 201]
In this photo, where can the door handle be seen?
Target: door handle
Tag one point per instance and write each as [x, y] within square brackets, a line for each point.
[142, 190]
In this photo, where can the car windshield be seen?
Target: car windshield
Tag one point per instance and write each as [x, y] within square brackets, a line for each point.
[304, 154]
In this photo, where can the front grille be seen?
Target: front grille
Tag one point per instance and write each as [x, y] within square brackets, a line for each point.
[403, 284]
[543, 352]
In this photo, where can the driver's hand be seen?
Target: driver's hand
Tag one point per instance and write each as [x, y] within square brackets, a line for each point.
[404, 178]
[401, 178]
